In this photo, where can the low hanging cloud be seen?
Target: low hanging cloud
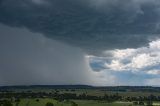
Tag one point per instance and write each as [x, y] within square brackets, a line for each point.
[28, 58]
[93, 25]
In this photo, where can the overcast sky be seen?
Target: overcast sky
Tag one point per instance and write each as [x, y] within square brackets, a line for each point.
[91, 42]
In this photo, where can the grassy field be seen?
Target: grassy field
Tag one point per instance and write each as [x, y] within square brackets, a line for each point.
[32, 101]
[42, 102]
[96, 103]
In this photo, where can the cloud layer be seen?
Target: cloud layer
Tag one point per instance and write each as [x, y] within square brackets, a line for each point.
[97, 42]
[110, 23]
[143, 61]
[28, 58]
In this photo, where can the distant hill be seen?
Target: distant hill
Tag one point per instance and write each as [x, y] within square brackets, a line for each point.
[107, 88]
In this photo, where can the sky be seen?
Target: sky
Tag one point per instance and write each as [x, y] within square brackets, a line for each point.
[88, 42]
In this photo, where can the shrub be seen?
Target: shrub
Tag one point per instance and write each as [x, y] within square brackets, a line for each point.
[74, 104]
[49, 104]
[7, 104]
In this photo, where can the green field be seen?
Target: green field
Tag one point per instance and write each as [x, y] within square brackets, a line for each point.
[81, 97]
[42, 102]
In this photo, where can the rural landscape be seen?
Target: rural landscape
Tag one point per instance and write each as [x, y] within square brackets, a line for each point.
[79, 52]
[79, 95]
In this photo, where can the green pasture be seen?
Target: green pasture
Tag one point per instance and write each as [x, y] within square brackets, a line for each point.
[42, 102]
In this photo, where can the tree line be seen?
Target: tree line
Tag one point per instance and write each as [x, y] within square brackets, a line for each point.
[66, 96]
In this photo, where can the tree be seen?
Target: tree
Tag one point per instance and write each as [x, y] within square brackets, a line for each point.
[135, 103]
[74, 104]
[37, 100]
[49, 104]
[150, 100]
[7, 104]
[17, 104]
[17, 100]
[149, 103]
[141, 103]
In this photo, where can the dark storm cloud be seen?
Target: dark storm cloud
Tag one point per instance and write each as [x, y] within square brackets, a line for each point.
[93, 25]
[28, 58]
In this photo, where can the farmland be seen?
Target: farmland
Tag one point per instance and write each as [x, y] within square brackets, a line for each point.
[79, 96]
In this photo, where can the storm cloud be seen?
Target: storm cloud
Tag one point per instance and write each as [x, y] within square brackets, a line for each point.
[95, 42]
[110, 23]
[28, 58]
